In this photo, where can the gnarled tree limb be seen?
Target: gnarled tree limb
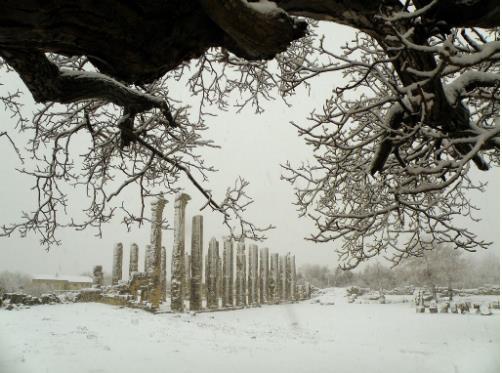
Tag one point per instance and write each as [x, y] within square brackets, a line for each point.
[260, 29]
[47, 83]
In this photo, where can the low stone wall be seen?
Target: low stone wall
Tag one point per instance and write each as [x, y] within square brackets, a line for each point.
[9, 300]
[484, 309]
[89, 295]
[113, 296]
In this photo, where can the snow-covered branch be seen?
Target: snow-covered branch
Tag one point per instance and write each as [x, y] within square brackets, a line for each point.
[395, 142]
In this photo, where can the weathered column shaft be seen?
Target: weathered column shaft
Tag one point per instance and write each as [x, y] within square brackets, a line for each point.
[294, 293]
[188, 275]
[212, 273]
[133, 259]
[244, 279]
[288, 277]
[97, 275]
[149, 258]
[145, 259]
[240, 275]
[274, 279]
[178, 256]
[163, 273]
[253, 275]
[196, 263]
[228, 273]
[282, 278]
[206, 272]
[264, 275]
[204, 292]
[219, 279]
[117, 263]
[154, 253]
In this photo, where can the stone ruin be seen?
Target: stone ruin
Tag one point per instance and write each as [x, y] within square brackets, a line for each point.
[424, 301]
[226, 279]
[450, 306]
[98, 276]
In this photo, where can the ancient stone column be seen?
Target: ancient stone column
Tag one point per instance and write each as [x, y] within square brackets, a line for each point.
[294, 294]
[282, 278]
[244, 278]
[253, 275]
[117, 264]
[288, 277]
[163, 274]
[307, 290]
[264, 275]
[274, 279]
[154, 254]
[149, 258]
[97, 276]
[206, 279]
[212, 274]
[219, 280]
[196, 264]
[228, 273]
[178, 257]
[240, 275]
[133, 259]
[145, 259]
[188, 275]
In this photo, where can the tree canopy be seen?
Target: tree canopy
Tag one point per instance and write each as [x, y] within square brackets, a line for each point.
[392, 146]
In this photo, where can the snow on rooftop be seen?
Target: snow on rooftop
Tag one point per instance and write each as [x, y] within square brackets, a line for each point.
[63, 278]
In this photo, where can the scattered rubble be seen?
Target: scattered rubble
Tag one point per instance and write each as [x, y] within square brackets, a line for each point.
[11, 300]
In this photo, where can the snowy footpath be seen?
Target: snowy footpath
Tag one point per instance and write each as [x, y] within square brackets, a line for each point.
[305, 337]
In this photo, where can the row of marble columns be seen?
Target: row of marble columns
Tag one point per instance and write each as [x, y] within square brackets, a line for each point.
[232, 278]
[259, 279]
[155, 260]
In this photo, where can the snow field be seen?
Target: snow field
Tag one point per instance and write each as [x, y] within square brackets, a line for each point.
[302, 337]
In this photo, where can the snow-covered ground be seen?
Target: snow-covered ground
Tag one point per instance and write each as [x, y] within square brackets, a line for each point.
[304, 337]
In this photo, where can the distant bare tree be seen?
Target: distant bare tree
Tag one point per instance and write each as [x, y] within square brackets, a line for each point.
[439, 265]
[14, 281]
[377, 276]
[318, 275]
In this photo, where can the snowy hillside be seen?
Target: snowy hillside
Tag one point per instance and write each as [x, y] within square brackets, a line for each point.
[325, 334]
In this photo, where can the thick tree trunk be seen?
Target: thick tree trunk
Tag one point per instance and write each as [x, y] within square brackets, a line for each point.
[133, 41]
[136, 42]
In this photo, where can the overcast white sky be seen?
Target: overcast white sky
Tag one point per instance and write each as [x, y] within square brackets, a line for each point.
[252, 146]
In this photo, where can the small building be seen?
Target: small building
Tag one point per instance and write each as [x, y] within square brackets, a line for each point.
[61, 282]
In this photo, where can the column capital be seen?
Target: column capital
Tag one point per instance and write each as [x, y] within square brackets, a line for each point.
[182, 198]
[159, 202]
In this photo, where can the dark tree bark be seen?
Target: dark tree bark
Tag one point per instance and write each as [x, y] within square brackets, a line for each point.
[136, 42]
[133, 41]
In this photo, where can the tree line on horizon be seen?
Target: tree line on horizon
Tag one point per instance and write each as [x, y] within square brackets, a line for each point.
[440, 268]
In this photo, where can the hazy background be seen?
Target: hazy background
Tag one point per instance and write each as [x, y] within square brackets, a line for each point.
[252, 146]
